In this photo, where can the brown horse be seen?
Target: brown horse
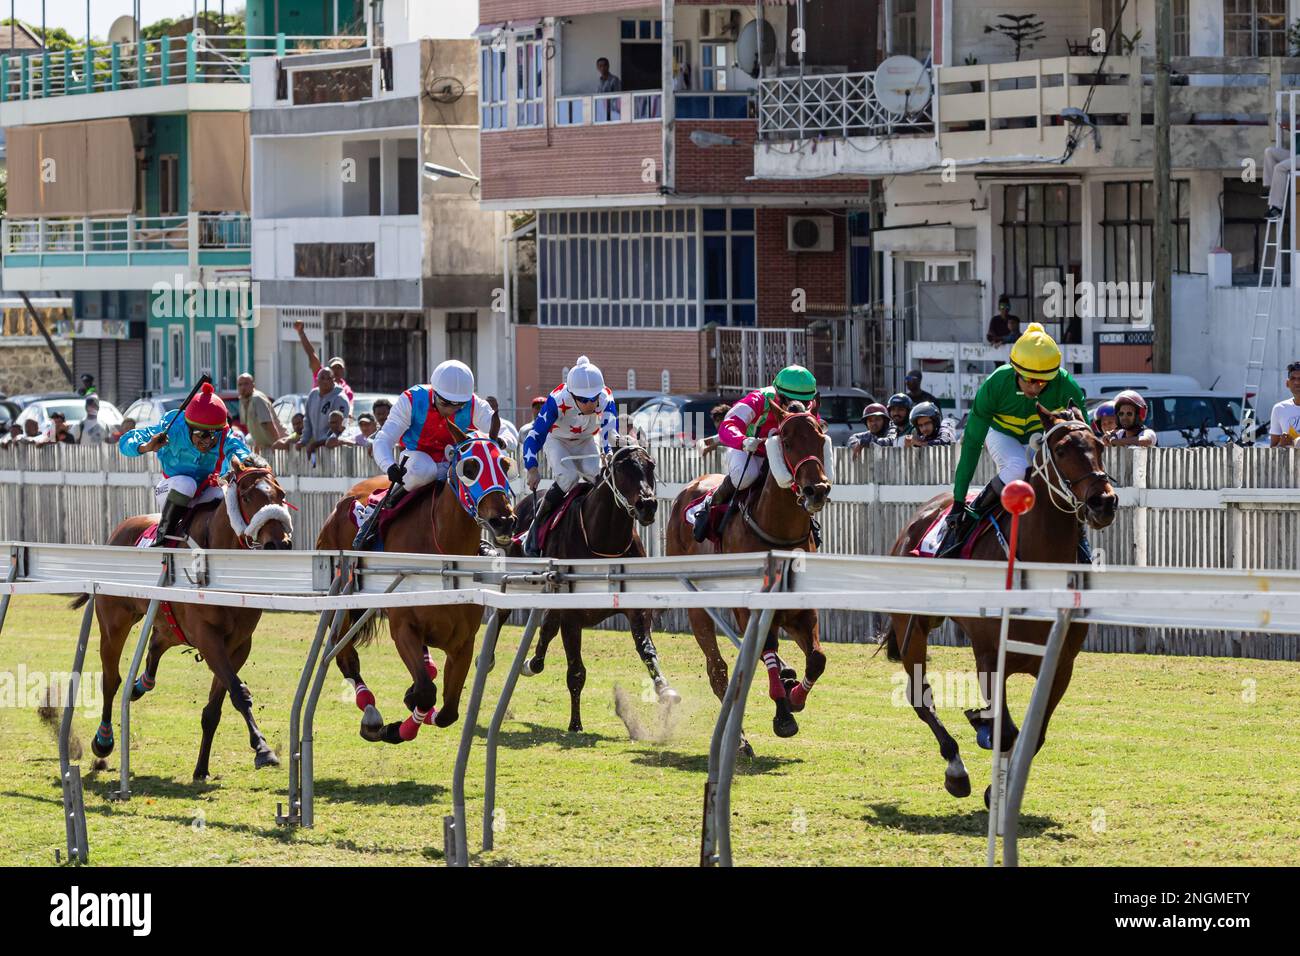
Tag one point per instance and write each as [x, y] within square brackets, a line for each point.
[437, 524]
[794, 490]
[1070, 488]
[601, 523]
[251, 515]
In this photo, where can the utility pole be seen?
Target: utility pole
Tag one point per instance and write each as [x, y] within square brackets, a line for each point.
[1162, 306]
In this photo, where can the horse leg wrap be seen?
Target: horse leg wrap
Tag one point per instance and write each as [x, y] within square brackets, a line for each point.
[143, 684]
[431, 716]
[364, 697]
[775, 686]
[105, 734]
[411, 725]
[430, 667]
[799, 694]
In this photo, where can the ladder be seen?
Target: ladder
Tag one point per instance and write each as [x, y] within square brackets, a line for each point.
[1270, 278]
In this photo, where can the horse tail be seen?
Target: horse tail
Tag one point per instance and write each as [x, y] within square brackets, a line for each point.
[368, 632]
[79, 601]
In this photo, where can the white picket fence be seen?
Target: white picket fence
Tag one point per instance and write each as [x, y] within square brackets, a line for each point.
[1189, 508]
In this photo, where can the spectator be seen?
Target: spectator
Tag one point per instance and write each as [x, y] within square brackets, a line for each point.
[606, 81]
[507, 433]
[127, 425]
[708, 446]
[366, 428]
[929, 428]
[339, 433]
[298, 421]
[335, 365]
[1003, 327]
[537, 403]
[912, 385]
[90, 430]
[880, 430]
[900, 407]
[1103, 419]
[1278, 162]
[87, 385]
[258, 417]
[31, 433]
[323, 400]
[381, 409]
[1131, 414]
[1284, 427]
[57, 430]
[12, 436]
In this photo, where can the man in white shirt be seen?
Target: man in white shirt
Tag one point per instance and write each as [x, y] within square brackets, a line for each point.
[1284, 427]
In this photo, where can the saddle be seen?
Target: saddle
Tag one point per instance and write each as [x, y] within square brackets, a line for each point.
[929, 544]
[577, 491]
[716, 512]
[150, 534]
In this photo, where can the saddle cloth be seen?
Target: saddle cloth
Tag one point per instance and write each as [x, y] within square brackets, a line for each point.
[717, 511]
[544, 531]
[361, 510]
[933, 537]
[210, 488]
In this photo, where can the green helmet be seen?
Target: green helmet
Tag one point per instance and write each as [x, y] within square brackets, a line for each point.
[795, 381]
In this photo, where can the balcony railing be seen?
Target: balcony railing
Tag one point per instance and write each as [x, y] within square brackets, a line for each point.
[839, 104]
[130, 240]
[193, 58]
[607, 109]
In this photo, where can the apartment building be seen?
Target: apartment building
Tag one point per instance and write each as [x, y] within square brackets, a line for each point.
[1021, 171]
[130, 189]
[659, 253]
[389, 267]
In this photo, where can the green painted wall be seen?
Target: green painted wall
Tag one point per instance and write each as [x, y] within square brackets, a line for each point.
[302, 17]
[171, 136]
[164, 315]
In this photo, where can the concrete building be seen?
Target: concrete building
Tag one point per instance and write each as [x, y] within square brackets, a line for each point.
[387, 267]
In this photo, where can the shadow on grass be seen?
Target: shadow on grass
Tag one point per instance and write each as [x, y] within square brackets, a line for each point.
[401, 793]
[536, 735]
[973, 822]
[699, 763]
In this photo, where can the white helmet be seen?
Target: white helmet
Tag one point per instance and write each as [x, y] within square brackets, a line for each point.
[584, 379]
[453, 381]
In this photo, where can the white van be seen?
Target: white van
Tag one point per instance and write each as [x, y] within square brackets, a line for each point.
[1097, 384]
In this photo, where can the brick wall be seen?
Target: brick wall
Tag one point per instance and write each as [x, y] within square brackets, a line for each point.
[649, 351]
[822, 275]
[28, 368]
[722, 169]
[580, 161]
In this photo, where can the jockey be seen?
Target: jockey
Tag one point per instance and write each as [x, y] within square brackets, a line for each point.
[574, 427]
[928, 427]
[193, 444]
[1131, 413]
[746, 428]
[417, 427]
[1005, 412]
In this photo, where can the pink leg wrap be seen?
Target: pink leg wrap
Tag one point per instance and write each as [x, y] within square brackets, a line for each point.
[775, 687]
[364, 697]
[430, 667]
[411, 725]
[799, 694]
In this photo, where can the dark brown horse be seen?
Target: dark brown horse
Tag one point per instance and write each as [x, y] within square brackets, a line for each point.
[601, 523]
[1071, 487]
[436, 524]
[794, 490]
[251, 515]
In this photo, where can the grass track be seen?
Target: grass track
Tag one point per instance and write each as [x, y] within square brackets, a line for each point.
[1150, 760]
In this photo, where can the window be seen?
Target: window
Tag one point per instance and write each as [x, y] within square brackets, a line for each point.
[1127, 236]
[713, 66]
[169, 187]
[1254, 28]
[227, 370]
[730, 296]
[176, 356]
[1243, 224]
[492, 85]
[203, 354]
[1182, 31]
[530, 94]
[155, 361]
[904, 27]
[462, 337]
[1041, 242]
[640, 61]
[619, 268]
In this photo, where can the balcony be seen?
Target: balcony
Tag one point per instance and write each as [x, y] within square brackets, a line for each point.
[843, 104]
[131, 252]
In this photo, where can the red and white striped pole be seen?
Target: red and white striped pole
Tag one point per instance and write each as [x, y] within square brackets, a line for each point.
[1017, 498]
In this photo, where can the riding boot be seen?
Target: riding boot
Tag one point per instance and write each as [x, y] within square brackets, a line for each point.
[1085, 547]
[720, 496]
[173, 511]
[554, 495]
[955, 535]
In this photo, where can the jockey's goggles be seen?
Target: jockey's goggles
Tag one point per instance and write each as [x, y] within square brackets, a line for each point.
[196, 433]
[586, 401]
[443, 401]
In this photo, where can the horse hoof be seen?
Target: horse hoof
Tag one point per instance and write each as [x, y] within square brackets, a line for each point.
[392, 733]
[200, 777]
[789, 674]
[137, 691]
[446, 717]
[746, 749]
[533, 666]
[575, 727]
[667, 695]
[265, 758]
[100, 750]
[784, 725]
[957, 786]
[372, 724]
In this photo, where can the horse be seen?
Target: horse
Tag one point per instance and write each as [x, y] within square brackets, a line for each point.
[601, 523]
[1071, 488]
[250, 515]
[797, 483]
[446, 520]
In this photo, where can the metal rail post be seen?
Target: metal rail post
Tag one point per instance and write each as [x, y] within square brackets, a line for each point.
[455, 845]
[494, 728]
[294, 816]
[74, 810]
[123, 792]
[9, 579]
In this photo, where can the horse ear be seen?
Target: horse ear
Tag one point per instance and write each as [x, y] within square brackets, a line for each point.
[456, 433]
[1048, 417]
[236, 464]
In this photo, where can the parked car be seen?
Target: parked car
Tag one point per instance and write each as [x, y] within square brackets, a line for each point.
[629, 400]
[73, 409]
[676, 419]
[841, 409]
[1097, 384]
[151, 409]
[1170, 412]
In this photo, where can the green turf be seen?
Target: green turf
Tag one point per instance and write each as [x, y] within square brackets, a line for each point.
[1151, 760]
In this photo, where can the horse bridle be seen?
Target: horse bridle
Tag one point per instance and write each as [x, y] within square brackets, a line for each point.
[246, 533]
[472, 509]
[607, 478]
[786, 419]
[1059, 487]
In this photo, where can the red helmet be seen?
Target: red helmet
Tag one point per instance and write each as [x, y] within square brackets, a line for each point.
[1130, 397]
[206, 409]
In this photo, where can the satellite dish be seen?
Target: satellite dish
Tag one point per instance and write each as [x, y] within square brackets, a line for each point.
[123, 30]
[747, 47]
[902, 85]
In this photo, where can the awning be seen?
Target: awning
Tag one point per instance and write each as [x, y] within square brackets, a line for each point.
[484, 30]
[72, 169]
[526, 25]
[219, 156]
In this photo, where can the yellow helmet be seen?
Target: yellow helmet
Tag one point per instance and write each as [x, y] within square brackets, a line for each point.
[1035, 355]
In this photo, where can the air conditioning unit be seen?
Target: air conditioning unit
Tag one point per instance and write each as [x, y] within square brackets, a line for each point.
[810, 234]
[719, 24]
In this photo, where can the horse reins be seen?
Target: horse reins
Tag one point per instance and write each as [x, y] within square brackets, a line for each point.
[607, 479]
[245, 540]
[799, 497]
[1059, 487]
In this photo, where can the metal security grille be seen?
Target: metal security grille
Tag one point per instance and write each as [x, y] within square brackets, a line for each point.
[384, 351]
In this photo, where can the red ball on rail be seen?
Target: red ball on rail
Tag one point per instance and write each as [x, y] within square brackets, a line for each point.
[1018, 497]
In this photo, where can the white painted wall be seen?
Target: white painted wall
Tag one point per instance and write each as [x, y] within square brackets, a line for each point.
[396, 238]
[1062, 19]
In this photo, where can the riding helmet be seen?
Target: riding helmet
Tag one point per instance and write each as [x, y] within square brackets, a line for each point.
[901, 398]
[454, 381]
[926, 410]
[1130, 397]
[1035, 355]
[797, 383]
[875, 408]
[206, 409]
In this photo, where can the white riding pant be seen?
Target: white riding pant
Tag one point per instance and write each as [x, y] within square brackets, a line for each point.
[421, 469]
[742, 475]
[571, 461]
[1277, 173]
[185, 485]
[1008, 454]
